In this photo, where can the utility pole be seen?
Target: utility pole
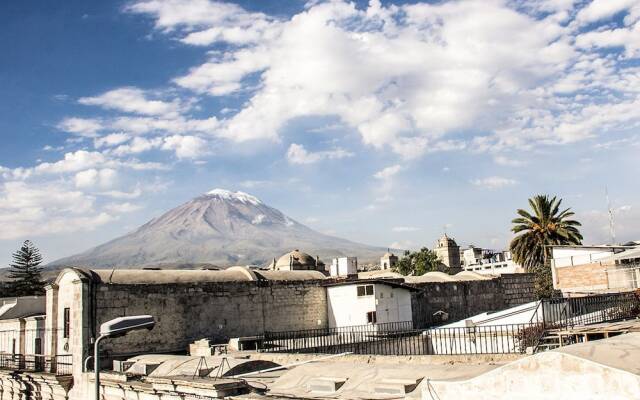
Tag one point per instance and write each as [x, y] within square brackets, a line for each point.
[612, 228]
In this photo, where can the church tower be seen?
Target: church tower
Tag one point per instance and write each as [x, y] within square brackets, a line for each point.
[448, 252]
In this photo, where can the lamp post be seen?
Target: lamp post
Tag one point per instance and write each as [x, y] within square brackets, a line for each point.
[115, 328]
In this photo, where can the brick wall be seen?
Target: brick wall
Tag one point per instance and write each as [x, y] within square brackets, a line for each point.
[584, 277]
[218, 311]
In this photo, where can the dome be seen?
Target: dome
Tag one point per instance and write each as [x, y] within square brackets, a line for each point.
[297, 260]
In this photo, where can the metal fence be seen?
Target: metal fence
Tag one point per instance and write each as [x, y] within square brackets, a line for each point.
[58, 365]
[572, 311]
[24, 350]
[381, 340]
[400, 338]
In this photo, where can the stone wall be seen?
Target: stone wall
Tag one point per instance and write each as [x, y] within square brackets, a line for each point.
[457, 299]
[214, 310]
[463, 299]
[517, 289]
[40, 386]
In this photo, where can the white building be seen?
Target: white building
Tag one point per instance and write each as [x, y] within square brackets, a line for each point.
[485, 261]
[581, 269]
[368, 302]
[344, 266]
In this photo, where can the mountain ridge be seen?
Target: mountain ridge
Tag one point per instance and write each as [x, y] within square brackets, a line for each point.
[220, 228]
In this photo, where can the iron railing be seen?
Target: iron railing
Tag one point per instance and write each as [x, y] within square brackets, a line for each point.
[490, 339]
[572, 311]
[58, 365]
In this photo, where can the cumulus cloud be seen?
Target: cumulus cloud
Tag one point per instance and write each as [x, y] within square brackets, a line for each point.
[494, 182]
[388, 172]
[186, 146]
[80, 126]
[104, 178]
[41, 209]
[297, 154]
[133, 100]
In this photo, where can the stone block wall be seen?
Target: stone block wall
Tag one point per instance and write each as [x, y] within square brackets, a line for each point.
[458, 299]
[215, 310]
[463, 299]
[517, 289]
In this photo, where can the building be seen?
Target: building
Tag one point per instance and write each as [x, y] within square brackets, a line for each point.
[484, 261]
[595, 269]
[344, 266]
[368, 302]
[388, 261]
[22, 323]
[297, 261]
[448, 253]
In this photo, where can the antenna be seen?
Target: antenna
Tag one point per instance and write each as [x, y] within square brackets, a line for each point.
[612, 228]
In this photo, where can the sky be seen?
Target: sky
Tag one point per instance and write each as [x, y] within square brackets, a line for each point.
[386, 123]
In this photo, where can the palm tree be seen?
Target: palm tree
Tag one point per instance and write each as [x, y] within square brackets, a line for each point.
[545, 227]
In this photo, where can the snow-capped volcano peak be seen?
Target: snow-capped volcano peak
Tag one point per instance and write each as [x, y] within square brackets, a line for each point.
[238, 196]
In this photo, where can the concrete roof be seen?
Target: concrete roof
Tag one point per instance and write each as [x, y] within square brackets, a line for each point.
[627, 254]
[22, 307]
[379, 273]
[290, 275]
[167, 276]
[388, 282]
[621, 352]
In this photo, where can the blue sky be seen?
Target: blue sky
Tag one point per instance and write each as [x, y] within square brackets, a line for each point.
[385, 123]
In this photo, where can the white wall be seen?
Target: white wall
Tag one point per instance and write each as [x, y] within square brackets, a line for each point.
[344, 266]
[568, 256]
[502, 267]
[346, 308]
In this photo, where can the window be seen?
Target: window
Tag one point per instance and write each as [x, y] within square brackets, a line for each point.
[381, 295]
[66, 324]
[366, 290]
[371, 317]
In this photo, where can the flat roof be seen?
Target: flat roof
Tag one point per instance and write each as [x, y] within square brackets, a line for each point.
[389, 282]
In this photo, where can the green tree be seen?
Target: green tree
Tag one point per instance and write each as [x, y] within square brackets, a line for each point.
[26, 272]
[547, 225]
[418, 262]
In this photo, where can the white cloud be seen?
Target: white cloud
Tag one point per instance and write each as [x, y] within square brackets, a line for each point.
[80, 126]
[494, 182]
[388, 172]
[186, 146]
[204, 22]
[404, 229]
[137, 145]
[133, 100]
[72, 162]
[629, 38]
[104, 178]
[297, 154]
[28, 210]
[509, 162]
[112, 139]
[601, 9]
[122, 208]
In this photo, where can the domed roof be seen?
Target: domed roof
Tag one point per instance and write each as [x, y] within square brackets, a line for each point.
[297, 260]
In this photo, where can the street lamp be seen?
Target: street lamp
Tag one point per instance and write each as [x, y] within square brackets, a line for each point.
[115, 328]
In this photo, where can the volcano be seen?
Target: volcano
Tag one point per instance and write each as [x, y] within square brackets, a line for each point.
[220, 228]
